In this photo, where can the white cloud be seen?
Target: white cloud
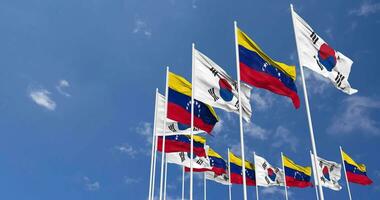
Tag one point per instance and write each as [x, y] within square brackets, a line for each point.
[130, 180]
[262, 100]
[355, 115]
[127, 149]
[41, 97]
[316, 84]
[329, 33]
[283, 137]
[194, 4]
[366, 8]
[91, 185]
[146, 130]
[62, 84]
[274, 190]
[142, 28]
[256, 131]
[218, 127]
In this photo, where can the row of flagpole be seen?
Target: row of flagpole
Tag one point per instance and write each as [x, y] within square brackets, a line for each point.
[163, 172]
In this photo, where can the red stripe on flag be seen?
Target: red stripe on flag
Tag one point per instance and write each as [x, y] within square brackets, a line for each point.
[172, 146]
[358, 178]
[292, 182]
[238, 179]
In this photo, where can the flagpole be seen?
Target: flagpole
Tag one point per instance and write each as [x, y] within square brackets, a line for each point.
[192, 121]
[163, 137]
[345, 173]
[283, 169]
[154, 166]
[240, 114]
[257, 187]
[314, 175]
[166, 175]
[204, 186]
[183, 183]
[229, 175]
[151, 185]
[307, 108]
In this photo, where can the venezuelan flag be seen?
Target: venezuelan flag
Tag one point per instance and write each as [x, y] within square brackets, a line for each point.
[236, 171]
[296, 175]
[179, 105]
[356, 173]
[259, 70]
[182, 143]
[218, 164]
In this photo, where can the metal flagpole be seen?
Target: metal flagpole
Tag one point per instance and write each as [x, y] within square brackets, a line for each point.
[345, 173]
[204, 186]
[151, 184]
[166, 176]
[240, 114]
[229, 175]
[257, 187]
[154, 166]
[283, 169]
[307, 109]
[183, 183]
[314, 175]
[192, 121]
[163, 137]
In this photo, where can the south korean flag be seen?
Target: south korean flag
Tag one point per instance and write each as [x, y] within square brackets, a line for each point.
[329, 173]
[266, 174]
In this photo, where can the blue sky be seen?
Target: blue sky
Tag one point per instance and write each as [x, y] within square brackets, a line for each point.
[78, 78]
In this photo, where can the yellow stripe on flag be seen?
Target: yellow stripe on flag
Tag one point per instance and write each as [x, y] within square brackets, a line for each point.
[290, 164]
[249, 44]
[350, 161]
[212, 153]
[237, 161]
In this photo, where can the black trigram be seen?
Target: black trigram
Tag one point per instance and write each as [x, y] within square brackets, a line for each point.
[199, 162]
[264, 165]
[211, 91]
[267, 180]
[182, 156]
[172, 128]
[214, 71]
[237, 105]
[314, 37]
[339, 79]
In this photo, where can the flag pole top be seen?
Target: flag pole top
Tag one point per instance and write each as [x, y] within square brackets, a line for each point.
[291, 6]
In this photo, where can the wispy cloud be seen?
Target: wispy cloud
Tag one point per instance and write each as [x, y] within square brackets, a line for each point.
[316, 84]
[62, 85]
[130, 180]
[262, 100]
[91, 185]
[42, 98]
[355, 115]
[256, 131]
[145, 129]
[274, 191]
[127, 149]
[141, 27]
[194, 4]
[283, 137]
[366, 8]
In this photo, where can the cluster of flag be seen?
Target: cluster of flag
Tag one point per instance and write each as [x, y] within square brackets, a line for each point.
[188, 109]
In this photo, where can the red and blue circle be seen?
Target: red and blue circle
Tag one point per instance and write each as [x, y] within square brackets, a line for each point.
[271, 174]
[326, 173]
[326, 56]
[225, 90]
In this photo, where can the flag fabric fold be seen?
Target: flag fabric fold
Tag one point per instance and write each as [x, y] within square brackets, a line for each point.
[266, 174]
[315, 54]
[356, 173]
[329, 173]
[182, 143]
[259, 70]
[296, 175]
[216, 88]
[184, 159]
[179, 105]
[237, 171]
[172, 127]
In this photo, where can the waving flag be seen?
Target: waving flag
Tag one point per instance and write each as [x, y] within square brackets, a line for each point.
[216, 88]
[237, 171]
[296, 175]
[315, 54]
[182, 143]
[329, 173]
[184, 159]
[172, 127]
[259, 70]
[266, 174]
[179, 105]
[356, 173]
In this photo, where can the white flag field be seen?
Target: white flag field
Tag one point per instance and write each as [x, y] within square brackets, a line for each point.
[184, 159]
[329, 173]
[315, 54]
[172, 127]
[266, 174]
[222, 178]
[216, 88]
